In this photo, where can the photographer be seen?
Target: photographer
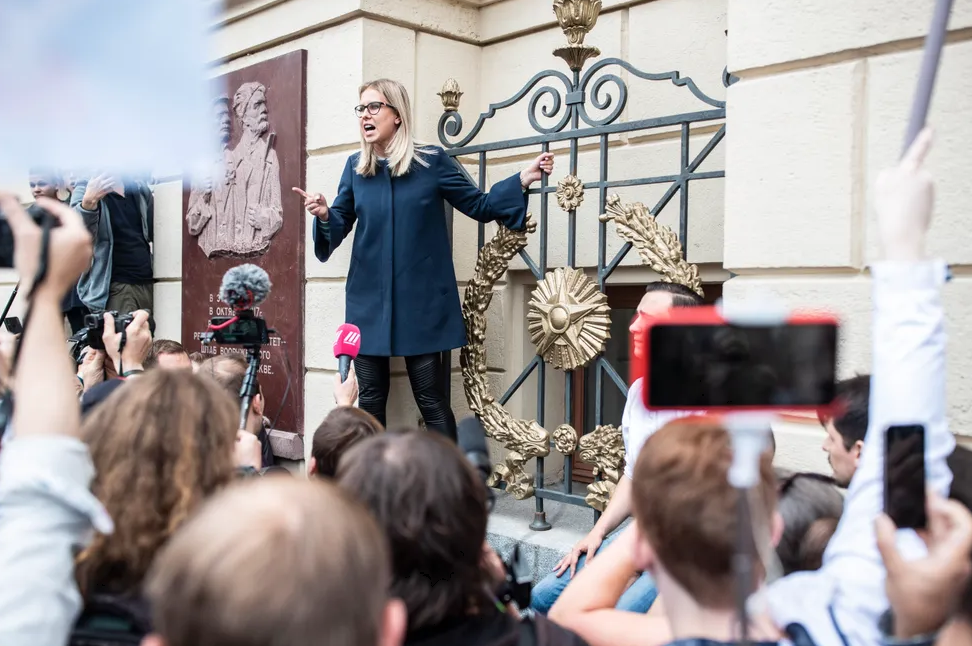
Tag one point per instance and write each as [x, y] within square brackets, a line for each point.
[46, 511]
[432, 506]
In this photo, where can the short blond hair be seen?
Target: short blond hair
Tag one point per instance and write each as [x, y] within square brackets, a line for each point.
[273, 561]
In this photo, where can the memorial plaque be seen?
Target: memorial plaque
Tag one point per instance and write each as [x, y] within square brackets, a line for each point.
[245, 212]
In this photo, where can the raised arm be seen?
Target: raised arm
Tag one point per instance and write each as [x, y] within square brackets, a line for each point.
[907, 387]
[506, 202]
[46, 510]
[333, 223]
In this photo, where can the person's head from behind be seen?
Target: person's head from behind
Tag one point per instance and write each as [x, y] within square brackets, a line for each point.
[659, 298]
[45, 182]
[160, 445]
[687, 513]
[229, 371]
[811, 506]
[168, 355]
[343, 428]
[384, 114]
[845, 432]
[197, 359]
[276, 561]
[432, 507]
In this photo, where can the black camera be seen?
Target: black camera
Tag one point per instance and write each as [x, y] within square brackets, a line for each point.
[94, 328]
[245, 329]
[40, 216]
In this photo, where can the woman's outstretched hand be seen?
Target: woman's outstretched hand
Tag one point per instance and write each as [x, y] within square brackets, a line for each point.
[315, 204]
[532, 173]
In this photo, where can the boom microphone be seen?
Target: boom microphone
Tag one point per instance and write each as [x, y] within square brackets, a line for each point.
[346, 347]
[471, 439]
[244, 287]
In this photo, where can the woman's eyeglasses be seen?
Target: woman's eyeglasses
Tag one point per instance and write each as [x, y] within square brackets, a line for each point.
[372, 108]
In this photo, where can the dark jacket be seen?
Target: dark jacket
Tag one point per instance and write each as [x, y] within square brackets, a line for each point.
[401, 288]
[495, 629]
[94, 284]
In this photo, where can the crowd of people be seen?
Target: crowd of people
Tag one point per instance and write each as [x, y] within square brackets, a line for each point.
[137, 505]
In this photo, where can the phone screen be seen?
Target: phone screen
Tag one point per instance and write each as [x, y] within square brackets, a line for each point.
[904, 476]
[790, 365]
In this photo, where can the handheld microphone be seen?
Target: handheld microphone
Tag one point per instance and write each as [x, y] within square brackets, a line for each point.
[244, 287]
[346, 347]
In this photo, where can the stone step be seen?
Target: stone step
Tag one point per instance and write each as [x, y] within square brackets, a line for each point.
[509, 525]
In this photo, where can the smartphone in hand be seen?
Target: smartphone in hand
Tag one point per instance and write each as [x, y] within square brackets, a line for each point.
[904, 476]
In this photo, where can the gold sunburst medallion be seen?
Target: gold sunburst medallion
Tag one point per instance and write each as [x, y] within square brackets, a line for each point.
[569, 319]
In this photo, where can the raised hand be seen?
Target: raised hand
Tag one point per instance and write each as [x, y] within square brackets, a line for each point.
[70, 248]
[97, 188]
[532, 173]
[903, 199]
[315, 204]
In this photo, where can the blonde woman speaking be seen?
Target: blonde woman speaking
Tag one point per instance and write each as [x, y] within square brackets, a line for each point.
[401, 288]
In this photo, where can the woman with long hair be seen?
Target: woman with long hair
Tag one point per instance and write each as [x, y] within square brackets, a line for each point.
[401, 287]
[160, 445]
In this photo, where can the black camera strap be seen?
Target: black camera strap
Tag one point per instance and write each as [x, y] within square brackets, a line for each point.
[121, 348]
[39, 277]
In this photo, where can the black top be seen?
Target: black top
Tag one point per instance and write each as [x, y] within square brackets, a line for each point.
[495, 629]
[131, 260]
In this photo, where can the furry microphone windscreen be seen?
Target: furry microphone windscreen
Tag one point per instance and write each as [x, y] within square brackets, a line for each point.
[244, 287]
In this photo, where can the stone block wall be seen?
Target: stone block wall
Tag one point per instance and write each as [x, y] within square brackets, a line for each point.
[821, 107]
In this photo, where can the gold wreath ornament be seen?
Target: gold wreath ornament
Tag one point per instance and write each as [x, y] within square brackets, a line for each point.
[523, 439]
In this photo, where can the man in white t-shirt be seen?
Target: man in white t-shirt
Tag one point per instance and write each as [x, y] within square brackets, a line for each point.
[637, 425]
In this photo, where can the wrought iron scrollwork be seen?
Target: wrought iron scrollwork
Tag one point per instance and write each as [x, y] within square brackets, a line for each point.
[589, 92]
[450, 123]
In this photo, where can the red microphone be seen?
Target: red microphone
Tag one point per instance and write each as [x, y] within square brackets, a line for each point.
[346, 347]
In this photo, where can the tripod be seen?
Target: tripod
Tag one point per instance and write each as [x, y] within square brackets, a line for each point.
[249, 389]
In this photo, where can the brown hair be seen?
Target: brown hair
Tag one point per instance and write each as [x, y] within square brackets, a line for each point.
[228, 370]
[160, 445]
[688, 511]
[807, 501]
[320, 556]
[343, 427]
[432, 507]
[163, 346]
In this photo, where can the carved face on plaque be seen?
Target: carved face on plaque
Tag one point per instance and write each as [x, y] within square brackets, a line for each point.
[224, 122]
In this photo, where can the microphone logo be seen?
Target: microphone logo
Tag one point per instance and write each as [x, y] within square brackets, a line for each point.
[352, 337]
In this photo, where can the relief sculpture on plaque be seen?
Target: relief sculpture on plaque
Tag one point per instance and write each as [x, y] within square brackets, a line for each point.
[237, 209]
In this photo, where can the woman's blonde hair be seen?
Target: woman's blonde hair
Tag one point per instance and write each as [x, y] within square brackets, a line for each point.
[160, 445]
[403, 149]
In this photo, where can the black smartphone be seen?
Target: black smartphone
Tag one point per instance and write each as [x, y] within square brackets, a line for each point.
[904, 476]
[13, 325]
[716, 365]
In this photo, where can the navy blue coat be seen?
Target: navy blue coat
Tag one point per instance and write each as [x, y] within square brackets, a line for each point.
[401, 289]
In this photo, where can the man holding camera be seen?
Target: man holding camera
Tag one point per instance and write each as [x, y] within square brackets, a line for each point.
[119, 215]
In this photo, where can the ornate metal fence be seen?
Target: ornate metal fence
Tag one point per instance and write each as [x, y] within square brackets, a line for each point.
[568, 317]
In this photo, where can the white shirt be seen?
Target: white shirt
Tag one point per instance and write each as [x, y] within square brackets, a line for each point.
[46, 514]
[638, 424]
[840, 604]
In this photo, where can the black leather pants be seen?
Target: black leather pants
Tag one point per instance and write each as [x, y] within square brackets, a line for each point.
[425, 374]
